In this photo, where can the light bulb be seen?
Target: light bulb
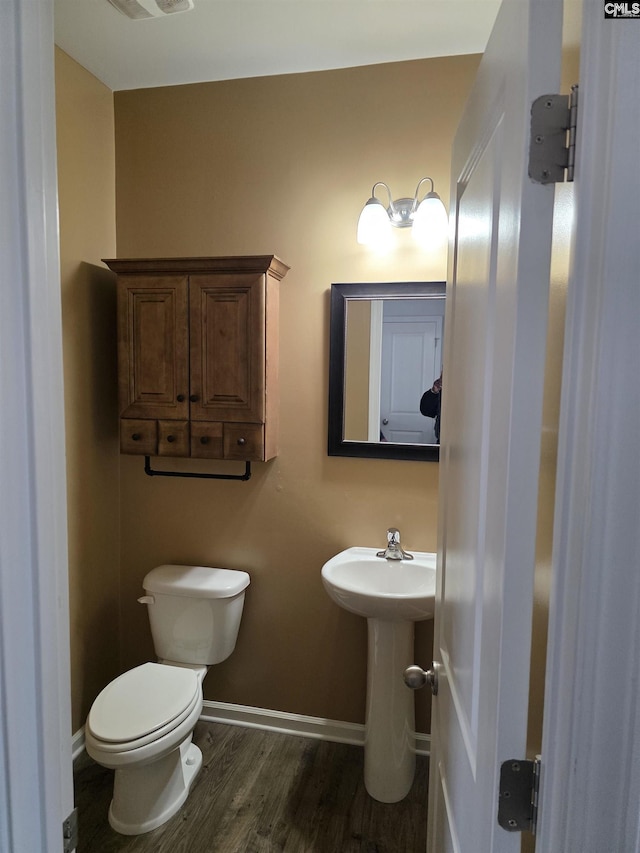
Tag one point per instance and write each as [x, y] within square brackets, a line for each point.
[430, 222]
[374, 227]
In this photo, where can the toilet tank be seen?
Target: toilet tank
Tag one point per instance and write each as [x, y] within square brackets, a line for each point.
[194, 612]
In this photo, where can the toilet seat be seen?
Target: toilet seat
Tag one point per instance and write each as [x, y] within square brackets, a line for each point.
[142, 705]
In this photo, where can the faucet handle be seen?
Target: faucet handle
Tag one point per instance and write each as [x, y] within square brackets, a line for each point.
[393, 536]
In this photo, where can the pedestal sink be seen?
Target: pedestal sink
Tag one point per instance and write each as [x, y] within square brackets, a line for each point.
[391, 595]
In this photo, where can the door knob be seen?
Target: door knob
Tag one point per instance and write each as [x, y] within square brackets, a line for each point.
[415, 677]
[385, 421]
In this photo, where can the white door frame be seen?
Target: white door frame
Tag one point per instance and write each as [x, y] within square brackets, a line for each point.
[36, 785]
[591, 740]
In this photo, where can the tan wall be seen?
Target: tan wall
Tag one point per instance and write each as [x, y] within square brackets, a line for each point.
[284, 165]
[86, 183]
[356, 370]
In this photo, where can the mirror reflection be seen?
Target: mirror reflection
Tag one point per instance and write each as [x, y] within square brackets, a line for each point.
[385, 369]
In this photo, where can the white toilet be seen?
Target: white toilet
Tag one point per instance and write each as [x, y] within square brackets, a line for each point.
[141, 724]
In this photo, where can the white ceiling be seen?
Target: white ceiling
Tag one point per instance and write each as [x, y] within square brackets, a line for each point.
[227, 39]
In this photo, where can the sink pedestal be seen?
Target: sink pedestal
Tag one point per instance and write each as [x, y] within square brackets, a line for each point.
[389, 746]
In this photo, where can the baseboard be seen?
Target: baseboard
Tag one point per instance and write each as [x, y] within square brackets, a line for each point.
[294, 724]
[77, 744]
[277, 721]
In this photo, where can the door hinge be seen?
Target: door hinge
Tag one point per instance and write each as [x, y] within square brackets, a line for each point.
[552, 147]
[518, 795]
[70, 832]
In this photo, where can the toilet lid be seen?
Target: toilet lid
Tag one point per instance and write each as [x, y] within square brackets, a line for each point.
[141, 701]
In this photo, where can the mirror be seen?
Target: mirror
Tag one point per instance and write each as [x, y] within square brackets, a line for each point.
[385, 352]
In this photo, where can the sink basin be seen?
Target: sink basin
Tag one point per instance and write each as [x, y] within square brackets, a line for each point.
[382, 589]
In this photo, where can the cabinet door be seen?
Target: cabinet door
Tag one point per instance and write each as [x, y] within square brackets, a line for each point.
[153, 346]
[227, 315]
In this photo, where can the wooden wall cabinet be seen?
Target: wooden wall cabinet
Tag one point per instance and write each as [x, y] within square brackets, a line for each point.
[198, 356]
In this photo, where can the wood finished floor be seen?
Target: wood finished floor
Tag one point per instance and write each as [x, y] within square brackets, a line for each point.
[259, 792]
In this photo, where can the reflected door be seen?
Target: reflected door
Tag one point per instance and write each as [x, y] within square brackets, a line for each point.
[491, 423]
[411, 360]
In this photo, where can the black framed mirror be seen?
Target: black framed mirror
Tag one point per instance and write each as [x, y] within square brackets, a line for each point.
[386, 344]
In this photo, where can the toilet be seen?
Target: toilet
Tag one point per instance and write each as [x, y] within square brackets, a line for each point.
[142, 723]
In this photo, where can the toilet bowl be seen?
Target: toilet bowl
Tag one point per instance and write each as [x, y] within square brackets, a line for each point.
[141, 724]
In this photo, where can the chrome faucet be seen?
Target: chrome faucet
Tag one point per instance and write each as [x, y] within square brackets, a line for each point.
[394, 550]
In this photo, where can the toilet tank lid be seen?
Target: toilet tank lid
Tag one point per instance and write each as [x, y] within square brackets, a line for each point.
[196, 581]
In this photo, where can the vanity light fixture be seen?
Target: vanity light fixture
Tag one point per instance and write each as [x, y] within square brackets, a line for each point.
[427, 218]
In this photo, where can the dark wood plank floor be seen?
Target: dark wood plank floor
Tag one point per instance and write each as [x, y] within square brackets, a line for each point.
[260, 792]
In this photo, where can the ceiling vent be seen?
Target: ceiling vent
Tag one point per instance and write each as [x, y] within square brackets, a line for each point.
[140, 10]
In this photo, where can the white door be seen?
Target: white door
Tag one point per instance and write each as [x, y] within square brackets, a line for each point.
[495, 338]
[411, 360]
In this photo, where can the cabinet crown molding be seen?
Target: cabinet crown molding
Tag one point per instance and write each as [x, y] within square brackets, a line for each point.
[228, 264]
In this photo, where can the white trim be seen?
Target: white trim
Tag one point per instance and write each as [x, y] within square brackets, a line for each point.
[294, 724]
[282, 722]
[36, 783]
[590, 784]
[77, 743]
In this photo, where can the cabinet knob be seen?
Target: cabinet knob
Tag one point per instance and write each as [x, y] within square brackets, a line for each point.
[242, 441]
[194, 398]
[204, 439]
[171, 438]
[180, 398]
[136, 436]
